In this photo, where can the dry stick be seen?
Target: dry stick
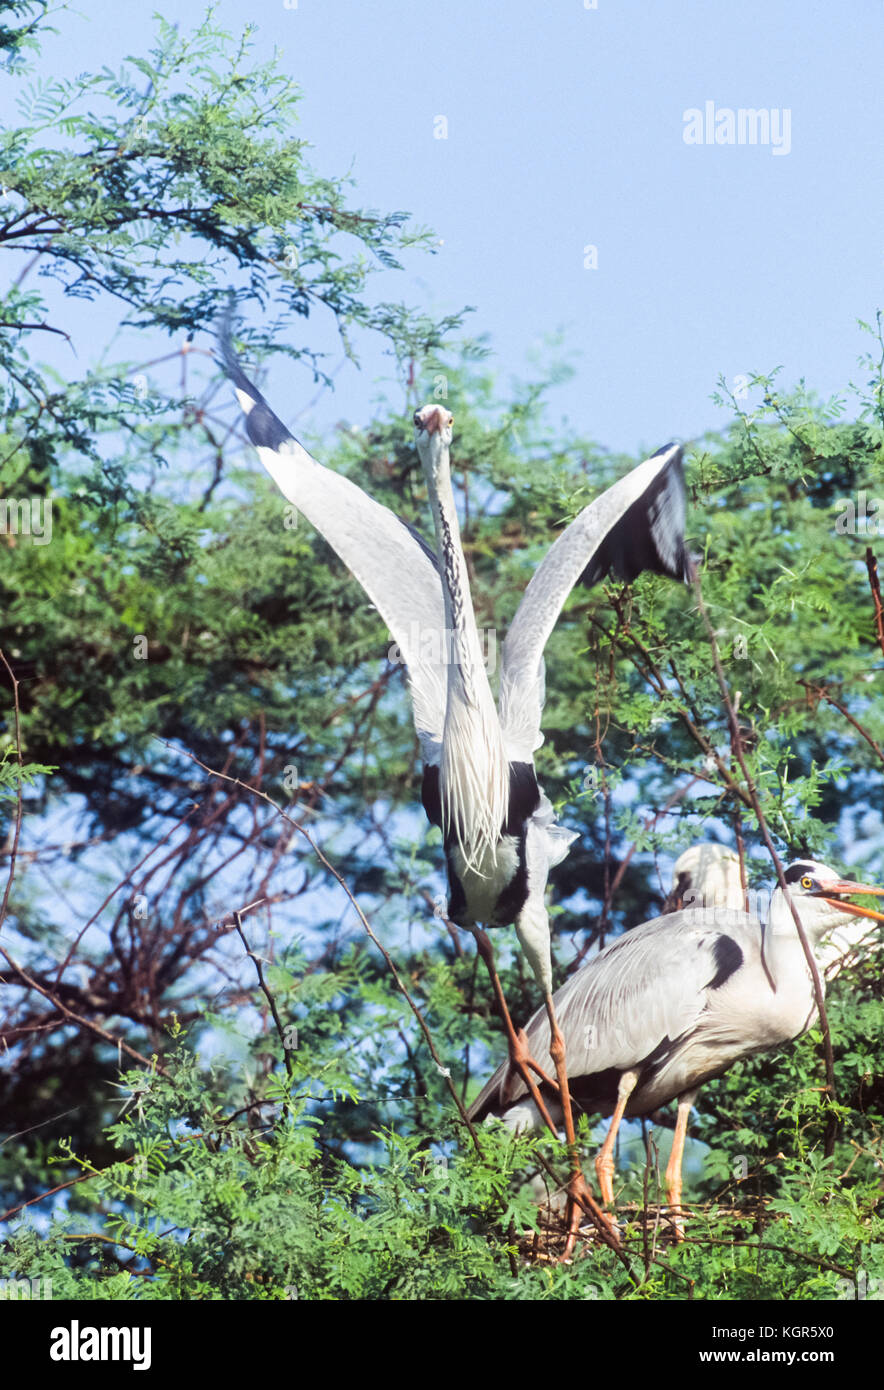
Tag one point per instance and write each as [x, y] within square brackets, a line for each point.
[737, 744]
[741, 851]
[19, 803]
[13, 965]
[823, 694]
[93, 1027]
[597, 1219]
[237, 921]
[872, 567]
[83, 1177]
[123, 881]
[400, 985]
[651, 1156]
[645, 1251]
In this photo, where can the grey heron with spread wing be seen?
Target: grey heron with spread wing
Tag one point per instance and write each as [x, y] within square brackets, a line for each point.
[479, 785]
[676, 1002]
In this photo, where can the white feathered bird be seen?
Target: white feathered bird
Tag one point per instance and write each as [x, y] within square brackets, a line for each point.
[676, 1002]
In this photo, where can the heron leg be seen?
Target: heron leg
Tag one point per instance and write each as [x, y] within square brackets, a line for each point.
[520, 1057]
[579, 1196]
[673, 1167]
[604, 1163]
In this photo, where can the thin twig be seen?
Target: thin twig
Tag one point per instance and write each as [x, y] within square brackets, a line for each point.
[737, 745]
[265, 989]
[400, 984]
[872, 567]
[823, 694]
[19, 808]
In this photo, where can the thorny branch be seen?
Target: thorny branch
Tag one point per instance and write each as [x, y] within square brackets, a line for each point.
[818, 991]
[399, 982]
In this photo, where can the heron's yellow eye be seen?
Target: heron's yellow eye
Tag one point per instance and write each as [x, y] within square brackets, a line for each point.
[807, 881]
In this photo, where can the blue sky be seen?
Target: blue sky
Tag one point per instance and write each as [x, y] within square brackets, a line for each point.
[565, 129]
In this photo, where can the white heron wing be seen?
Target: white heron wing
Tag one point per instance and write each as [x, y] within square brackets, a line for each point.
[395, 567]
[646, 989]
[637, 524]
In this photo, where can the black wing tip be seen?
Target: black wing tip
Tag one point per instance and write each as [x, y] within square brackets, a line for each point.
[631, 547]
[667, 449]
[264, 429]
[224, 339]
[682, 566]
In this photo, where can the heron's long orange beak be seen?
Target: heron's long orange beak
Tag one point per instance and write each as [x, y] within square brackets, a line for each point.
[846, 885]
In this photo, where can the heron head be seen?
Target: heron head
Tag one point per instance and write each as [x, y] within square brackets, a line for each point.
[820, 895]
[706, 875]
[432, 435]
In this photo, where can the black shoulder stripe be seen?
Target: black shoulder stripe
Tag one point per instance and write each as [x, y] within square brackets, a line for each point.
[524, 797]
[650, 534]
[430, 795]
[728, 959]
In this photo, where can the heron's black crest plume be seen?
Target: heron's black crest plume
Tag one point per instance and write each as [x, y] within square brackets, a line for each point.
[798, 871]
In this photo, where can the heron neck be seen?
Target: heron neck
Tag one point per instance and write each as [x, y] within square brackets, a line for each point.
[474, 772]
[782, 945]
[464, 657]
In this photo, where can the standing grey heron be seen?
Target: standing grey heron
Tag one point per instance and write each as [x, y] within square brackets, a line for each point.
[676, 1002]
[479, 784]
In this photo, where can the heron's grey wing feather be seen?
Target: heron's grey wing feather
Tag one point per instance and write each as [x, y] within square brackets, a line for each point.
[637, 524]
[396, 569]
[648, 986]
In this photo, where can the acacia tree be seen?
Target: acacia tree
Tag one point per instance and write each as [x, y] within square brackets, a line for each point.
[216, 874]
